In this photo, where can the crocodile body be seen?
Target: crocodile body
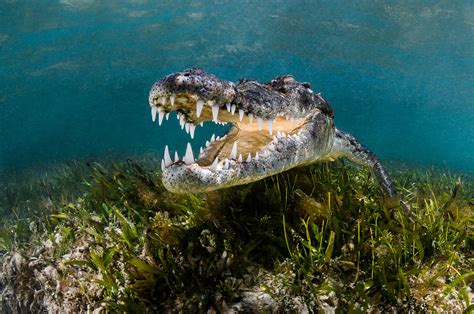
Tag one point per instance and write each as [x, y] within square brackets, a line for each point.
[276, 126]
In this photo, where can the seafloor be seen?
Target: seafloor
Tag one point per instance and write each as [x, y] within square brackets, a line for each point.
[94, 237]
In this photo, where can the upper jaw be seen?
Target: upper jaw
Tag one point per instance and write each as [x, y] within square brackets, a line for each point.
[195, 82]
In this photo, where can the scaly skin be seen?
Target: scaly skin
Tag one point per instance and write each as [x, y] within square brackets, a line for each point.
[305, 118]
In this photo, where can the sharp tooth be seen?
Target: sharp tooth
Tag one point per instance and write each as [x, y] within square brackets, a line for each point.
[168, 161]
[207, 143]
[275, 138]
[161, 115]
[241, 114]
[270, 126]
[233, 152]
[192, 128]
[172, 100]
[176, 157]
[226, 164]
[249, 158]
[260, 123]
[232, 109]
[279, 134]
[200, 150]
[186, 127]
[199, 106]
[178, 115]
[218, 138]
[153, 113]
[256, 156]
[228, 107]
[240, 157]
[202, 123]
[188, 157]
[163, 100]
[167, 116]
[250, 117]
[213, 167]
[215, 112]
[213, 138]
[162, 165]
[182, 122]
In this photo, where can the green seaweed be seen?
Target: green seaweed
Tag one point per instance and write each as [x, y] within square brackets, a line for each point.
[312, 238]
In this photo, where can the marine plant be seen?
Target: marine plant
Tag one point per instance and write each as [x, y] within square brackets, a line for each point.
[319, 237]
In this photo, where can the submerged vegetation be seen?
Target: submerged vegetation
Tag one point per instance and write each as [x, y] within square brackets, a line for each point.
[320, 237]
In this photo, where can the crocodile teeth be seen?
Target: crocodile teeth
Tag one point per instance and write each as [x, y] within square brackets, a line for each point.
[270, 126]
[240, 157]
[162, 165]
[249, 158]
[213, 167]
[226, 164]
[228, 107]
[161, 115]
[250, 117]
[199, 106]
[163, 100]
[186, 127]
[168, 161]
[215, 112]
[167, 116]
[153, 113]
[188, 157]
[192, 128]
[208, 143]
[176, 157]
[200, 150]
[232, 109]
[213, 138]
[233, 152]
[241, 115]
[256, 156]
[260, 123]
[182, 121]
[172, 100]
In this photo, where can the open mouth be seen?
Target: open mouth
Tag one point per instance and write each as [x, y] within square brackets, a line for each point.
[275, 126]
[251, 137]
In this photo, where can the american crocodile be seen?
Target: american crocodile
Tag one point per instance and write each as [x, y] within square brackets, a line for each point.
[276, 126]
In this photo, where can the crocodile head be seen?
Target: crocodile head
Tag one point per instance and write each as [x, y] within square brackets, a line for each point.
[275, 126]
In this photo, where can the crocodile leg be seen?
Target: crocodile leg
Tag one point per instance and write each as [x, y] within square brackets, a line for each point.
[346, 145]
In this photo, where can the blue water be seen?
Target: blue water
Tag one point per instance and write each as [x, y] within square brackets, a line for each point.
[75, 75]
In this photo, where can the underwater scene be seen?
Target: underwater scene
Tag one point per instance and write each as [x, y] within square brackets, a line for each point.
[236, 156]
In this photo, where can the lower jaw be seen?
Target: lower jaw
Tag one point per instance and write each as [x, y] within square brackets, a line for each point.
[281, 154]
